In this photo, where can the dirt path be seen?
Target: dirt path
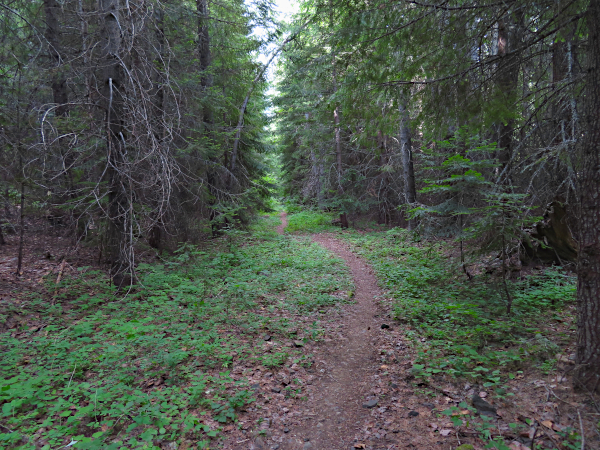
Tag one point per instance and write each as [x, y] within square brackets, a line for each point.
[337, 404]
[360, 391]
[284, 222]
[354, 399]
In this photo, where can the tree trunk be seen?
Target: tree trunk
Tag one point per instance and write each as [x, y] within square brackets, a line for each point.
[383, 192]
[588, 265]
[314, 187]
[7, 211]
[156, 232]
[562, 110]
[338, 148]
[83, 29]
[410, 191]
[120, 234]
[205, 59]
[338, 156]
[58, 81]
[507, 80]
[22, 230]
[159, 90]
[321, 193]
[204, 55]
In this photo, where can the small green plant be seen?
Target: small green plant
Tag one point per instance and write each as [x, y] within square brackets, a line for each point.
[571, 439]
[458, 326]
[111, 372]
[474, 207]
[309, 222]
[272, 360]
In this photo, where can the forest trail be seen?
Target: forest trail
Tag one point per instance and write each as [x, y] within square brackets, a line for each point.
[284, 222]
[342, 401]
[348, 364]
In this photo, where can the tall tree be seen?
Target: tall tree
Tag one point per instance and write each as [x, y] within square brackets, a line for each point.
[112, 91]
[59, 83]
[204, 55]
[410, 190]
[338, 147]
[588, 266]
[507, 79]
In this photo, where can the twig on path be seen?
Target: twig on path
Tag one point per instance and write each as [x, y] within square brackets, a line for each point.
[560, 399]
[6, 428]
[61, 270]
[533, 437]
[60, 273]
[443, 391]
[581, 428]
[71, 379]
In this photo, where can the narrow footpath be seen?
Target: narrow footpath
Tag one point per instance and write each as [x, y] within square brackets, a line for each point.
[352, 403]
[336, 404]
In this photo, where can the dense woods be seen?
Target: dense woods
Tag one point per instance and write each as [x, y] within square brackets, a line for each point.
[472, 119]
[119, 118]
[152, 135]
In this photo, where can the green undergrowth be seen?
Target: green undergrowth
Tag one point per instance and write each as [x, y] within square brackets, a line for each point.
[460, 327]
[163, 364]
[265, 227]
[310, 222]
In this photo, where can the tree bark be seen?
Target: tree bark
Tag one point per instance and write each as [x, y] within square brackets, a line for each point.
[562, 110]
[383, 193]
[507, 80]
[205, 56]
[314, 187]
[588, 265]
[159, 90]
[338, 156]
[410, 191]
[156, 232]
[338, 148]
[206, 82]
[58, 81]
[22, 230]
[120, 239]
[7, 211]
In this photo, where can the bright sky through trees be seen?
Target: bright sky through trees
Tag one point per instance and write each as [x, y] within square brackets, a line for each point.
[285, 10]
[286, 7]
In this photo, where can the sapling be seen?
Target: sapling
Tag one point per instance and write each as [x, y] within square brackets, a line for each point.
[501, 224]
[480, 209]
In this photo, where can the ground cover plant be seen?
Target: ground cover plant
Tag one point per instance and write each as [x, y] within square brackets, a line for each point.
[467, 330]
[459, 327]
[152, 367]
[309, 222]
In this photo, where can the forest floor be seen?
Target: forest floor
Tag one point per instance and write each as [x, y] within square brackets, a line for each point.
[364, 393]
[304, 338]
[354, 403]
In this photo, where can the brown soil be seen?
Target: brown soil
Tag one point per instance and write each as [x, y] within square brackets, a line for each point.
[349, 373]
[284, 222]
[358, 361]
[45, 249]
[335, 413]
